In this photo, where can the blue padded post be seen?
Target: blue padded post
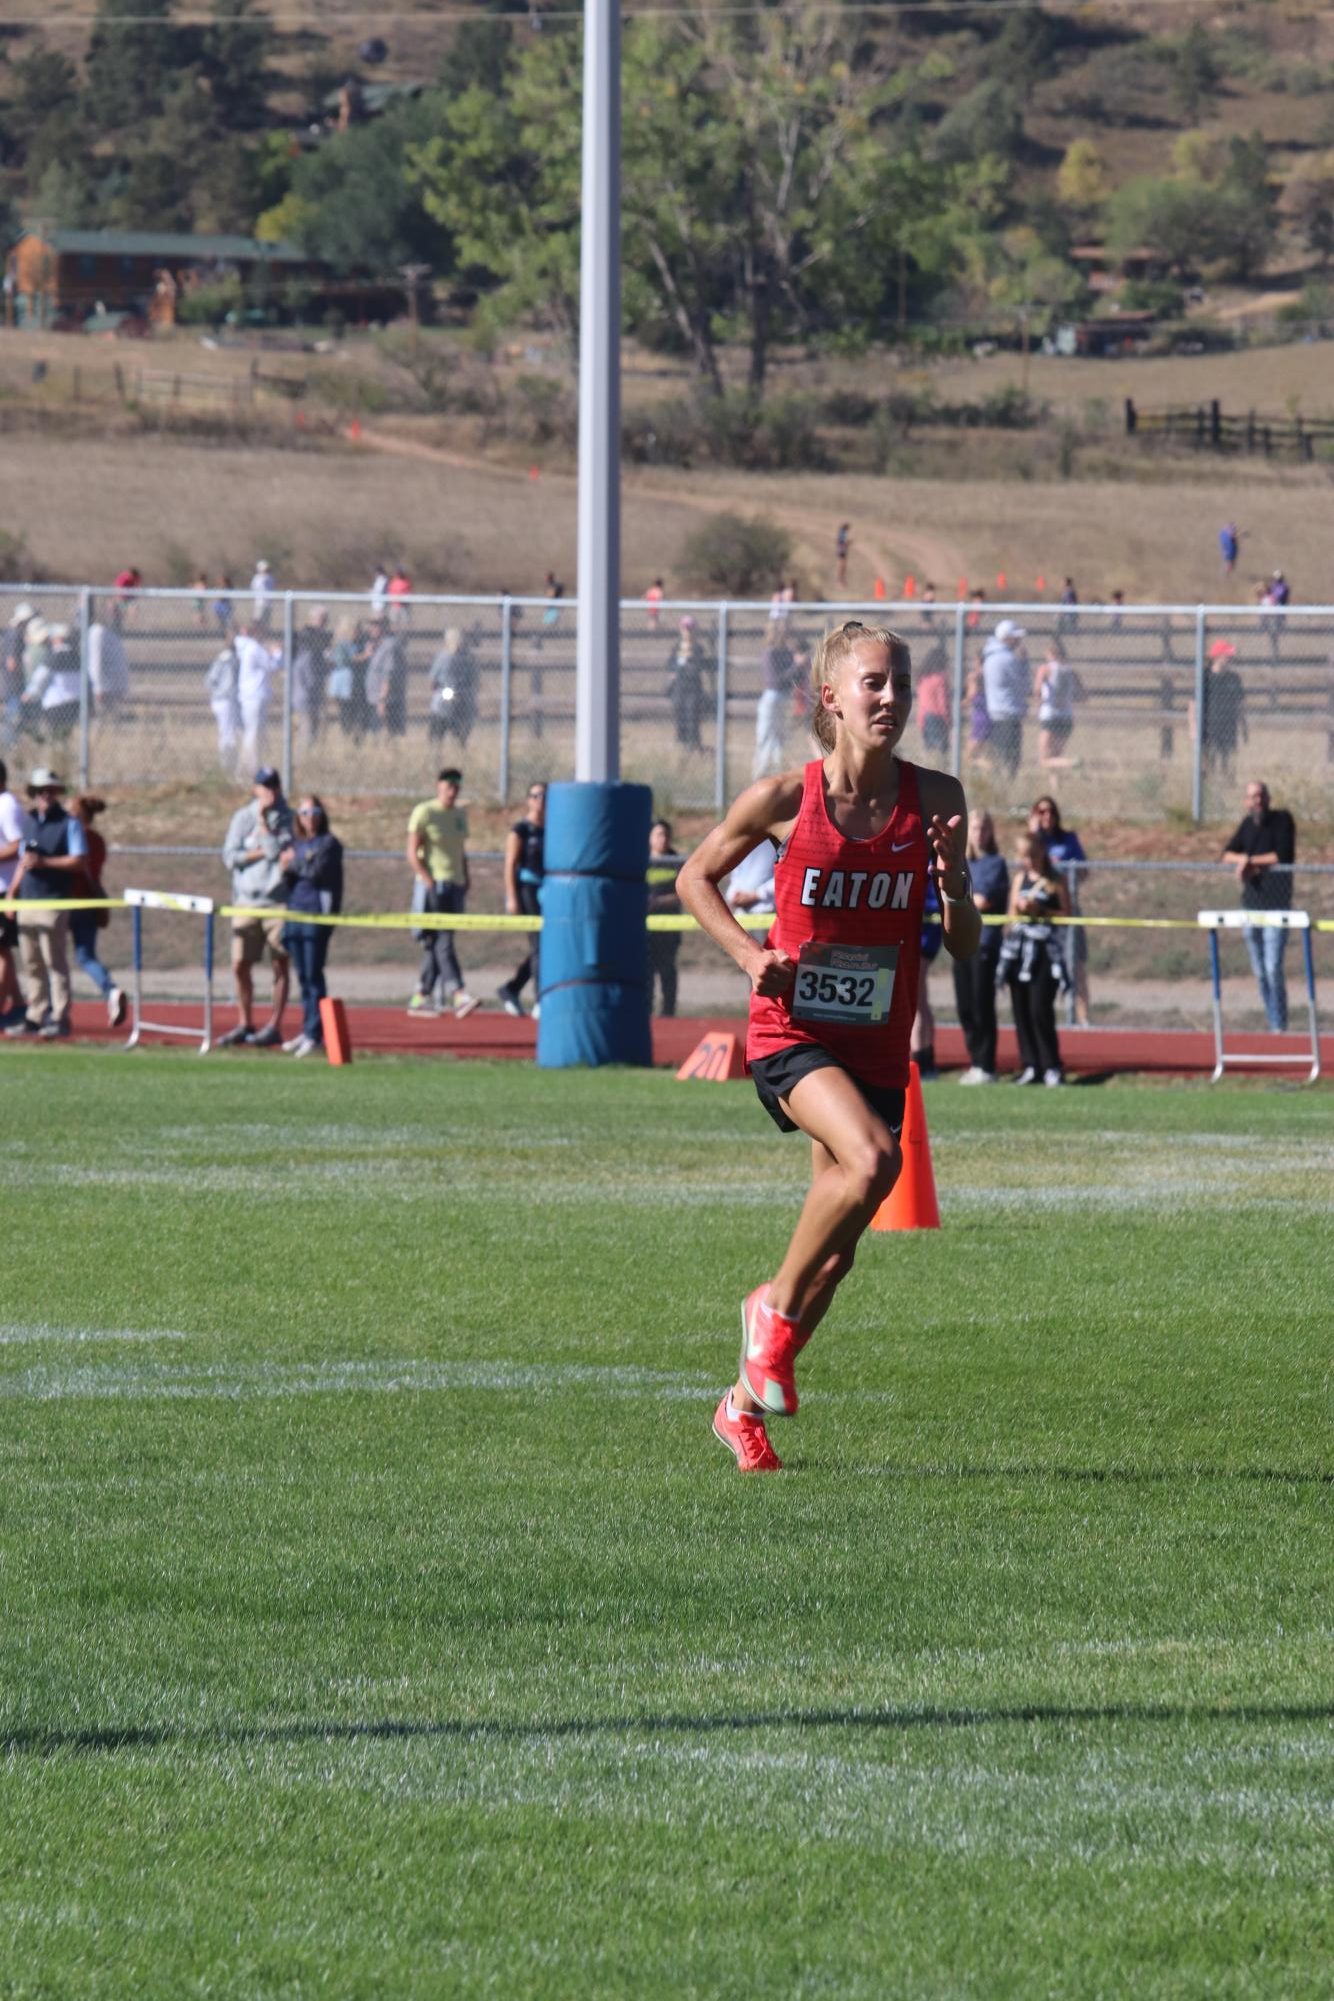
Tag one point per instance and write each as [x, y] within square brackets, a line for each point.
[594, 957]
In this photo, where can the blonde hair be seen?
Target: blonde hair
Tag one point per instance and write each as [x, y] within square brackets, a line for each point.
[833, 654]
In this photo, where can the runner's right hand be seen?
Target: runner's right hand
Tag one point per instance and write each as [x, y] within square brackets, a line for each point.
[772, 974]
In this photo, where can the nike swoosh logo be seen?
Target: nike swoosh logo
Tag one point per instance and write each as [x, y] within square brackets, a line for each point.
[895, 847]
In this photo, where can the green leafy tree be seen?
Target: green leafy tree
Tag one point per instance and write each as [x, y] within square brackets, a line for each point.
[986, 124]
[1195, 73]
[1081, 180]
[357, 206]
[43, 89]
[153, 194]
[234, 52]
[133, 54]
[1175, 217]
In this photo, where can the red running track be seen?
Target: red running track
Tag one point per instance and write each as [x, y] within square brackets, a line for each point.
[488, 1033]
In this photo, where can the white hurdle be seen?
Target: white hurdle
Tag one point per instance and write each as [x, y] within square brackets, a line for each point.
[1214, 921]
[140, 900]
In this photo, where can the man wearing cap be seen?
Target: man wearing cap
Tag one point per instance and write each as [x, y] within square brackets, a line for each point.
[1262, 851]
[256, 838]
[54, 845]
[1007, 679]
[1224, 719]
[12, 647]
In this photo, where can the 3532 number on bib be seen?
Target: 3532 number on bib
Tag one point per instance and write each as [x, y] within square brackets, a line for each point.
[851, 985]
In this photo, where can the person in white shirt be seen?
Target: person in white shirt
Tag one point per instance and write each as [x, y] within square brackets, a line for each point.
[11, 843]
[257, 661]
[262, 588]
[380, 593]
[108, 668]
[750, 887]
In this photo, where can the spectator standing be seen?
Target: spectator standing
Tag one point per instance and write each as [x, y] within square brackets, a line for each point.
[771, 710]
[223, 614]
[398, 591]
[663, 901]
[1262, 851]
[1229, 546]
[842, 546]
[438, 857]
[922, 1035]
[979, 720]
[379, 603]
[1065, 851]
[932, 703]
[1223, 722]
[51, 857]
[1032, 962]
[1059, 688]
[220, 681]
[455, 674]
[749, 889]
[313, 881]
[975, 978]
[53, 692]
[310, 671]
[200, 588]
[85, 924]
[1277, 595]
[524, 868]
[347, 678]
[259, 834]
[653, 598]
[686, 669]
[108, 669]
[387, 680]
[128, 584]
[13, 831]
[1007, 681]
[12, 679]
[553, 590]
[257, 662]
[262, 587]
[1068, 620]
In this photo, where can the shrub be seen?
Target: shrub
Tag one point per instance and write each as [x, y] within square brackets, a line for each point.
[209, 305]
[737, 556]
[730, 430]
[1153, 295]
[848, 406]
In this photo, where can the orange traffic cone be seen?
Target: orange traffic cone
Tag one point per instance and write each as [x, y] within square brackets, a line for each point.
[337, 1039]
[878, 590]
[911, 1203]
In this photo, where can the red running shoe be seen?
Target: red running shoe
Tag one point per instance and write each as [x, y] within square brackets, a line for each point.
[746, 1436]
[768, 1350]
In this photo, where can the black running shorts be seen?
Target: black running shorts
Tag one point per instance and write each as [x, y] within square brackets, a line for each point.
[774, 1076]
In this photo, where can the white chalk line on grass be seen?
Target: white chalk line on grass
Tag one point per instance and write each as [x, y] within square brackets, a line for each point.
[41, 1330]
[243, 1381]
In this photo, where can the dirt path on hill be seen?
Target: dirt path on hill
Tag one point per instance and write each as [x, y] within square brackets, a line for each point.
[888, 554]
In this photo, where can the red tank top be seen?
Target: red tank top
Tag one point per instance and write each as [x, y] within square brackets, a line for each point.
[832, 891]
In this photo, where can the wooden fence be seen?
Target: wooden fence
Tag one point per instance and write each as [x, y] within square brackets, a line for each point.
[1207, 427]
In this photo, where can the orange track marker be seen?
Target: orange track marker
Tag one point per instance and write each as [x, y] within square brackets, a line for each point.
[337, 1039]
[911, 1203]
[716, 1059]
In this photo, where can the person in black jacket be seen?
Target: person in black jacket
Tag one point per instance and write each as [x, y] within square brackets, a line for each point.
[1262, 851]
[313, 876]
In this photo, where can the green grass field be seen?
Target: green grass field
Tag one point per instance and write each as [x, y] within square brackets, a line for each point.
[380, 1618]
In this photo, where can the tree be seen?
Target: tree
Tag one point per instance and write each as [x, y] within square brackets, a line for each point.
[1081, 181]
[768, 188]
[1307, 203]
[234, 53]
[154, 194]
[133, 53]
[987, 123]
[1195, 72]
[358, 207]
[1173, 216]
[43, 87]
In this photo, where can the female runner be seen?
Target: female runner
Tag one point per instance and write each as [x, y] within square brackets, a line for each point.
[834, 984]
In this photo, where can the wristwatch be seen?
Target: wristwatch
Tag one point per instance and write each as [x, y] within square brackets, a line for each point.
[967, 896]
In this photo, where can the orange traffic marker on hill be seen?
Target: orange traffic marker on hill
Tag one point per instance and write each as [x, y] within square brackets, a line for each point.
[1001, 582]
[910, 585]
[911, 1203]
[717, 1059]
[878, 590]
[337, 1040]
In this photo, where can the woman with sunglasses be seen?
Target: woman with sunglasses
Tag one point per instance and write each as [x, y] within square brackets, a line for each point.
[524, 868]
[834, 983]
[313, 871]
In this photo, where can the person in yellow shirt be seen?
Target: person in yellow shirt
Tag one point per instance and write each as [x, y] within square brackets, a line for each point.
[437, 856]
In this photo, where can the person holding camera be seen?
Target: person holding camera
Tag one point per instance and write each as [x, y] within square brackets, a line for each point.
[259, 833]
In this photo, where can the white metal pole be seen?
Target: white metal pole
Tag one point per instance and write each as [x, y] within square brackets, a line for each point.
[597, 681]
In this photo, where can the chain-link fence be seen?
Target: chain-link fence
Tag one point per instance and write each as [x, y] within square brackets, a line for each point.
[1135, 712]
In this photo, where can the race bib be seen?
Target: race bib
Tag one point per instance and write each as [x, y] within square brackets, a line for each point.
[851, 985]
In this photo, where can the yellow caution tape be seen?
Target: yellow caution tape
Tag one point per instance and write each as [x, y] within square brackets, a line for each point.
[433, 920]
